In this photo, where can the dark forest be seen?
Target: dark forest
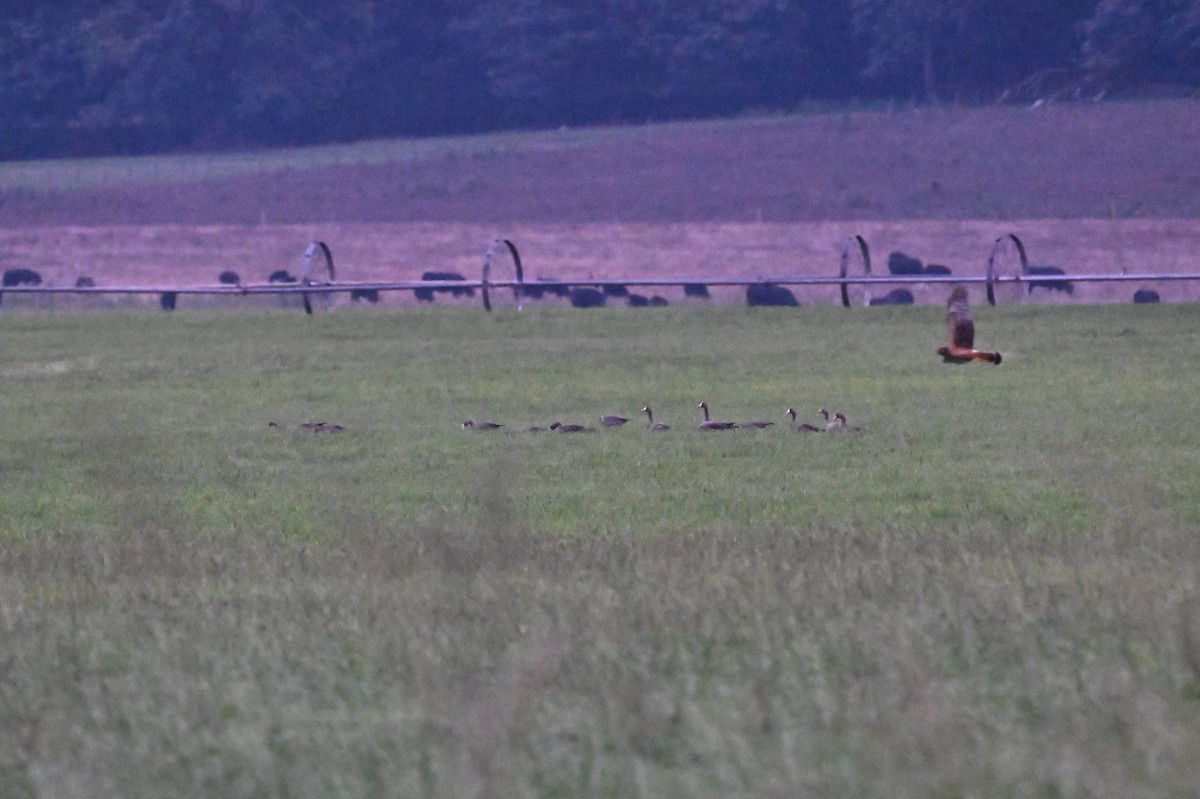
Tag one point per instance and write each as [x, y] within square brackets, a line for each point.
[95, 77]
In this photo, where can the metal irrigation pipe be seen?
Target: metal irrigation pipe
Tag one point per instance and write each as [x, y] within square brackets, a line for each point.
[408, 285]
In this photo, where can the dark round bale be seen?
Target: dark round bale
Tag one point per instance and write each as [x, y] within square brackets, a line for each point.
[21, 276]
[937, 269]
[894, 297]
[282, 276]
[901, 264]
[1064, 286]
[658, 302]
[368, 295]
[426, 295]
[587, 298]
[84, 282]
[1145, 296]
[557, 291]
[229, 278]
[769, 294]
[638, 301]
[696, 290]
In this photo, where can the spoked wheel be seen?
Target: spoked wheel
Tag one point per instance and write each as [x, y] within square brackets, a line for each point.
[856, 261]
[486, 276]
[1006, 267]
[318, 271]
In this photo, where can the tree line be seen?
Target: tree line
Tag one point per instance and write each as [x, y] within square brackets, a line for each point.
[81, 77]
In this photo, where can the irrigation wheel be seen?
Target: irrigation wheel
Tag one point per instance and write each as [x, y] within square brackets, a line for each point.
[318, 271]
[1006, 265]
[855, 249]
[486, 276]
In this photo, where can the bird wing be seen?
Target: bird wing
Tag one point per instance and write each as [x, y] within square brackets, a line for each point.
[962, 328]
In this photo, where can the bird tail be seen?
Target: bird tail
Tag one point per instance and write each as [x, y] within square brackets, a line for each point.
[990, 357]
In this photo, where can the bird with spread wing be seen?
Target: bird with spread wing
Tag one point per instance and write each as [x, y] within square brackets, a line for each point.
[962, 332]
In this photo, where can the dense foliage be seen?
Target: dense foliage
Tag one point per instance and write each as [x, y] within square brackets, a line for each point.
[95, 76]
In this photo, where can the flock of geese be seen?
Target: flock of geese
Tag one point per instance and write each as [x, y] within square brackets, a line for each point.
[834, 424]
[961, 349]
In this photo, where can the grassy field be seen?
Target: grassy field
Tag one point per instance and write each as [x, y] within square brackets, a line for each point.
[990, 591]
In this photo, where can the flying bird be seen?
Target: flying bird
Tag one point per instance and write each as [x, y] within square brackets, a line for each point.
[962, 332]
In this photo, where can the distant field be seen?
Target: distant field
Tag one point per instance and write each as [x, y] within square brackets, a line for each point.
[1098, 161]
[990, 590]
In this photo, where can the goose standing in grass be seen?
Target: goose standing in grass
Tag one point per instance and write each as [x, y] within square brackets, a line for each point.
[840, 419]
[652, 425]
[471, 424]
[613, 421]
[709, 424]
[803, 427]
[962, 332]
[830, 424]
[569, 428]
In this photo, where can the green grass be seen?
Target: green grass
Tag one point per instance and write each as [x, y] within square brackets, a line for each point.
[990, 591]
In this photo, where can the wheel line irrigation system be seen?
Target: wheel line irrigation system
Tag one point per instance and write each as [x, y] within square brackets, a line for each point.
[318, 277]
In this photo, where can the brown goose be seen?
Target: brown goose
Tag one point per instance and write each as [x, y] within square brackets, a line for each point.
[470, 424]
[803, 427]
[652, 425]
[708, 424]
[613, 421]
[841, 423]
[830, 424]
[569, 428]
[322, 427]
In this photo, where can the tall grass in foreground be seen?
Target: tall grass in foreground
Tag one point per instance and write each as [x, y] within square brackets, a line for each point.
[991, 591]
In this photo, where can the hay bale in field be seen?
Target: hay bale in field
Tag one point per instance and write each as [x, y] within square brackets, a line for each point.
[557, 291]
[84, 282]
[901, 264]
[894, 297]
[21, 276]
[936, 269]
[282, 276]
[229, 278]
[638, 301]
[587, 298]
[769, 294]
[1064, 286]
[699, 290]
[426, 295]
[1143, 296]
